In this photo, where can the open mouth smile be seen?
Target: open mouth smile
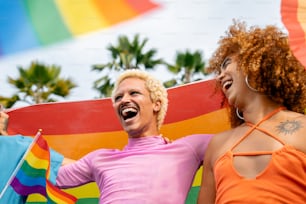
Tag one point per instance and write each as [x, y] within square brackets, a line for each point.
[227, 84]
[128, 112]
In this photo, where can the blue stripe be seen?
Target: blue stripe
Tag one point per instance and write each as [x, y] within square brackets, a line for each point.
[16, 33]
[26, 180]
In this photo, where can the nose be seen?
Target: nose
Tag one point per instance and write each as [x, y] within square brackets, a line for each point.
[220, 76]
[122, 101]
[126, 98]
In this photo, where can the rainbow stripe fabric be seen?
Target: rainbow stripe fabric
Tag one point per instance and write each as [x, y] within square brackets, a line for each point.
[293, 14]
[33, 175]
[27, 24]
[79, 127]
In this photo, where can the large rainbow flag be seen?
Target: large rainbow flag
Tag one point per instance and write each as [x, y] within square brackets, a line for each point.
[28, 24]
[76, 128]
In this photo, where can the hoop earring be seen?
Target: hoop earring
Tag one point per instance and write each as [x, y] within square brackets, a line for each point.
[238, 114]
[248, 85]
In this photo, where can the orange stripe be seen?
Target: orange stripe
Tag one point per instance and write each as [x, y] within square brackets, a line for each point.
[297, 40]
[59, 196]
[302, 14]
[40, 153]
[210, 123]
[115, 11]
[77, 145]
[84, 143]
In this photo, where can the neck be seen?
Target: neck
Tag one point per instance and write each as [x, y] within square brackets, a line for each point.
[138, 134]
[255, 111]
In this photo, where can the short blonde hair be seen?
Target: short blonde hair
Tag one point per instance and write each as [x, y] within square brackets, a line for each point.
[154, 86]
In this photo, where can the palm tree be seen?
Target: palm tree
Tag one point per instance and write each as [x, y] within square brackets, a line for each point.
[188, 67]
[38, 84]
[125, 55]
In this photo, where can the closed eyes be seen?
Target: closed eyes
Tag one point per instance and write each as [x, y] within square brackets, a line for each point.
[225, 63]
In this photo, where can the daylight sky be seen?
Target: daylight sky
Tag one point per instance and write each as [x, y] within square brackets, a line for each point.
[176, 26]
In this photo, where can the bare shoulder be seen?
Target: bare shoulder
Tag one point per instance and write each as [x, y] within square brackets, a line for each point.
[219, 144]
[292, 129]
[301, 133]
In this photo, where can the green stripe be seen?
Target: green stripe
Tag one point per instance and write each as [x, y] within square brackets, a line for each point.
[47, 21]
[30, 171]
[80, 201]
[193, 195]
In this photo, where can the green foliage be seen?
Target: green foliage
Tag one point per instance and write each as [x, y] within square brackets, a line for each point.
[38, 84]
[188, 67]
[125, 55]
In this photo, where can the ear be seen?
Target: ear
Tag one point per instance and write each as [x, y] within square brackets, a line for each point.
[157, 106]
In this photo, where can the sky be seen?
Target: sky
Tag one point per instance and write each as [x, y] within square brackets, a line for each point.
[177, 25]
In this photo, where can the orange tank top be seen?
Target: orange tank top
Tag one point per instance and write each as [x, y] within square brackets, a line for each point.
[282, 181]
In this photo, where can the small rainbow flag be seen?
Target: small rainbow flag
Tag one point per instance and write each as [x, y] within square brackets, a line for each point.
[32, 174]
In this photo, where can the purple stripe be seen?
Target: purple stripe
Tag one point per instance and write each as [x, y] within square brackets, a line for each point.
[31, 180]
[26, 190]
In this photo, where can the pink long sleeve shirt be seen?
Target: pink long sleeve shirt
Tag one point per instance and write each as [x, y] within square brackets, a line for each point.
[147, 171]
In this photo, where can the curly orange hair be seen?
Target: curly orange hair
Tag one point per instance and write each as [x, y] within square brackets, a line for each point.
[264, 55]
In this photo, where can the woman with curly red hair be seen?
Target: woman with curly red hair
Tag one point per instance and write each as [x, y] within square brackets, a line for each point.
[262, 159]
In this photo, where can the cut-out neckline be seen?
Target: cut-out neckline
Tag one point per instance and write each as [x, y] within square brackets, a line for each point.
[259, 172]
[257, 154]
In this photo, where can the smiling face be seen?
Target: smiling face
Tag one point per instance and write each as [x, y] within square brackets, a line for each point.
[136, 111]
[232, 81]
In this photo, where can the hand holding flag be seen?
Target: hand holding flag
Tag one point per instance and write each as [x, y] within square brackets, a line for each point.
[33, 172]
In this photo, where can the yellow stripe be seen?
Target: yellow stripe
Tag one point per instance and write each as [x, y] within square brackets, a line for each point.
[36, 198]
[89, 190]
[301, 15]
[36, 162]
[198, 177]
[81, 16]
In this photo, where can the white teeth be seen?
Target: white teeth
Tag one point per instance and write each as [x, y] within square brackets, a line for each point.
[227, 84]
[127, 110]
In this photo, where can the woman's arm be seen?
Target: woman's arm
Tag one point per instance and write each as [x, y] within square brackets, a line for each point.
[207, 194]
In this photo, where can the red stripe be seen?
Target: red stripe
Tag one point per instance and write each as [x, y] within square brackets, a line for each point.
[42, 143]
[40, 153]
[93, 116]
[142, 6]
[59, 194]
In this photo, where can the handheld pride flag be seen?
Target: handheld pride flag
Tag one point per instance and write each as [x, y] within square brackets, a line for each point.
[33, 171]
